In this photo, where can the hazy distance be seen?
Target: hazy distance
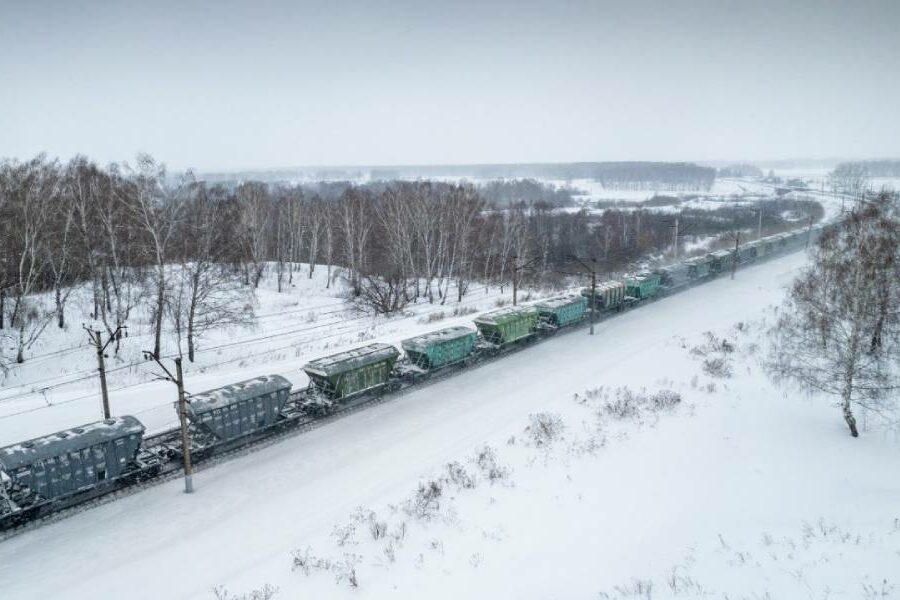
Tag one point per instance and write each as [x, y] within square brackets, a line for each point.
[239, 85]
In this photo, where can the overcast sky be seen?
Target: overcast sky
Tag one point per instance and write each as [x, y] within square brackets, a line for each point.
[221, 85]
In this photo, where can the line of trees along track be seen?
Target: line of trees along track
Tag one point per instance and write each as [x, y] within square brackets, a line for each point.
[188, 256]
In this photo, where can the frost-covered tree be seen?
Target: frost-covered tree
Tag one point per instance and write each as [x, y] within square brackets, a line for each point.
[205, 291]
[839, 331]
[156, 209]
[851, 179]
[29, 191]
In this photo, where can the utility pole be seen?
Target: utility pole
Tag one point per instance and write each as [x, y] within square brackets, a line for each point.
[515, 277]
[178, 380]
[734, 260]
[593, 271]
[97, 342]
[759, 228]
[675, 240]
[809, 230]
[593, 293]
[185, 443]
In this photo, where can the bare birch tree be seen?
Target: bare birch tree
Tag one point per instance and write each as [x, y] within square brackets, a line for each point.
[156, 208]
[839, 332]
[29, 190]
[253, 198]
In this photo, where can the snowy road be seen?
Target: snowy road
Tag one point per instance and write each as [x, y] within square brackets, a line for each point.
[249, 514]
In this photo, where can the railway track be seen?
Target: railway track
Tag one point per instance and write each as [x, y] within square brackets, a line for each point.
[165, 444]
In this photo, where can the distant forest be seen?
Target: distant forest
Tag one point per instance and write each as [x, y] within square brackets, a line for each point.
[498, 193]
[874, 168]
[669, 176]
[740, 170]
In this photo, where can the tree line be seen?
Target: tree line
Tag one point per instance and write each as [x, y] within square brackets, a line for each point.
[871, 168]
[190, 254]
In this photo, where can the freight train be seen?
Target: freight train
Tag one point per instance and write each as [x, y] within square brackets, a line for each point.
[70, 467]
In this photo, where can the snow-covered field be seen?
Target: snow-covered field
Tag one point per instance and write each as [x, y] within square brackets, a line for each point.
[57, 387]
[594, 191]
[740, 490]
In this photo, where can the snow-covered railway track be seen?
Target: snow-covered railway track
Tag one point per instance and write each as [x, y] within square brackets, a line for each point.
[165, 444]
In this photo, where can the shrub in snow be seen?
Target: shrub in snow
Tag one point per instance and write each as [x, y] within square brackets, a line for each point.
[713, 345]
[437, 546]
[433, 317]
[427, 500]
[461, 311]
[544, 428]
[486, 460]
[460, 476]
[266, 592]
[717, 367]
[664, 399]
[366, 518]
[587, 446]
[399, 534]
[305, 561]
[389, 553]
[345, 570]
[638, 588]
[344, 534]
[624, 405]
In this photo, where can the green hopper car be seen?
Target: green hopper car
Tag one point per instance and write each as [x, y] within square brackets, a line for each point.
[507, 325]
[643, 286]
[562, 311]
[699, 267]
[722, 261]
[440, 348]
[747, 253]
[610, 295]
[347, 373]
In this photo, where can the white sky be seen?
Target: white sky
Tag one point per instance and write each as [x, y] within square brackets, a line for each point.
[271, 84]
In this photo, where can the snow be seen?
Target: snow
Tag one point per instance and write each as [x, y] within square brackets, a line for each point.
[743, 488]
[560, 302]
[57, 388]
[595, 191]
[502, 315]
[421, 343]
[351, 359]
[49, 446]
[236, 392]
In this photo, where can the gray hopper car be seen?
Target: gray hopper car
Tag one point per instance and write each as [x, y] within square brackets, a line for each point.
[241, 408]
[70, 461]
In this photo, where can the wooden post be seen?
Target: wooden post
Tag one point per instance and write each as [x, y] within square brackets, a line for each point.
[101, 367]
[593, 292]
[185, 442]
[759, 227]
[734, 259]
[809, 230]
[515, 277]
[97, 341]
